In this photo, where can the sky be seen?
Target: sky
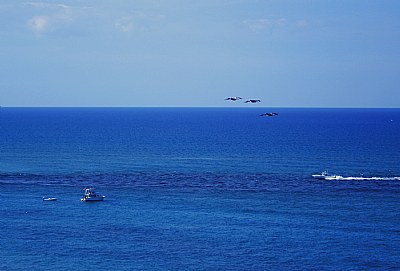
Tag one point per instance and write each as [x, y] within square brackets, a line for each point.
[298, 53]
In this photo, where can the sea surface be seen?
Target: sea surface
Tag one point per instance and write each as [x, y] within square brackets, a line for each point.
[199, 189]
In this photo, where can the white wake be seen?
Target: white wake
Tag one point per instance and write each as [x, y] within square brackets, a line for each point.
[341, 178]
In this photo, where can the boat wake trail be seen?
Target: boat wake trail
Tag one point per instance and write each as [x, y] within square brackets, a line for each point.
[325, 176]
[341, 178]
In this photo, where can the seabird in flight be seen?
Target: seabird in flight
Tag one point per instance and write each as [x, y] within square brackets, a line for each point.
[269, 114]
[233, 98]
[253, 101]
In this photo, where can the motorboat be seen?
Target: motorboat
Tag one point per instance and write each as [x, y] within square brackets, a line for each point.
[49, 199]
[325, 176]
[320, 176]
[91, 195]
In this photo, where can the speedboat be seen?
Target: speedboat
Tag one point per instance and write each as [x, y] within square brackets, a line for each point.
[91, 195]
[325, 176]
[49, 199]
[320, 176]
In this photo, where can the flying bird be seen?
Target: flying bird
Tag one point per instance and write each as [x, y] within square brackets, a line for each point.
[253, 101]
[269, 114]
[233, 98]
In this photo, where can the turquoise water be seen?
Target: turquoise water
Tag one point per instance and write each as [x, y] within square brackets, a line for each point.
[199, 189]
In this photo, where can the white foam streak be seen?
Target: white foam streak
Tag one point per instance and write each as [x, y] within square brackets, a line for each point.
[341, 178]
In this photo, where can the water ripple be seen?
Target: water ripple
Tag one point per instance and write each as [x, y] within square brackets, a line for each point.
[261, 182]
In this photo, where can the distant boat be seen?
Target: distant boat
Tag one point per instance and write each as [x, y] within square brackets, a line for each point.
[49, 199]
[325, 176]
[91, 195]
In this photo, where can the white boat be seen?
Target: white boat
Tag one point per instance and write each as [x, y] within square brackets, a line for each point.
[325, 176]
[49, 199]
[91, 195]
[320, 176]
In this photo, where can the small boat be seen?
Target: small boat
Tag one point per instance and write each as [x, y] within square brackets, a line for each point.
[320, 176]
[325, 176]
[91, 195]
[49, 199]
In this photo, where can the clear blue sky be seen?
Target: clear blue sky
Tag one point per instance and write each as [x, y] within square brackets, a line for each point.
[299, 53]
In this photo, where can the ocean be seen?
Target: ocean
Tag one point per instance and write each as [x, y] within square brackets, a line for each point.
[200, 189]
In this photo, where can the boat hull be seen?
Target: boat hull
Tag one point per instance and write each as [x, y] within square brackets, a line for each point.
[327, 177]
[320, 177]
[49, 199]
[92, 199]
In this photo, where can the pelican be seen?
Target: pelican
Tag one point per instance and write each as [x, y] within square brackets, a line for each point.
[269, 114]
[233, 98]
[253, 101]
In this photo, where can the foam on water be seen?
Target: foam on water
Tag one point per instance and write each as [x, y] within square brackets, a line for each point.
[341, 178]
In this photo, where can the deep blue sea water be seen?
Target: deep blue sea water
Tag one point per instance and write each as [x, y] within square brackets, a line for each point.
[199, 189]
